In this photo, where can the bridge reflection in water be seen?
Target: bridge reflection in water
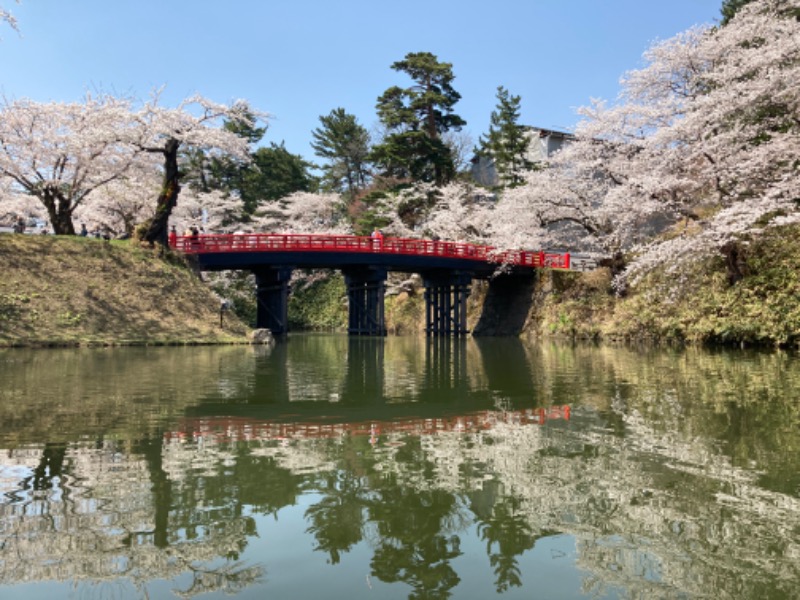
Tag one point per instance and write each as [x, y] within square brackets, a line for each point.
[447, 269]
[124, 485]
[432, 468]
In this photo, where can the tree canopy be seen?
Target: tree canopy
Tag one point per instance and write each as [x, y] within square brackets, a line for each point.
[63, 154]
[344, 144]
[196, 123]
[415, 118]
[60, 153]
[506, 143]
[8, 18]
[705, 141]
[275, 173]
[730, 8]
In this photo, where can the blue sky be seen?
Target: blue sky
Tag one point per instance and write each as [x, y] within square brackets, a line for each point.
[299, 59]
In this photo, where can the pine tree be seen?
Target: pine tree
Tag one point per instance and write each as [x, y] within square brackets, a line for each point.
[415, 118]
[274, 174]
[506, 144]
[344, 143]
[730, 8]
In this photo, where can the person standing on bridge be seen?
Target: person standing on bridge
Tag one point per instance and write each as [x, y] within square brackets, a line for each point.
[377, 239]
[194, 236]
[173, 237]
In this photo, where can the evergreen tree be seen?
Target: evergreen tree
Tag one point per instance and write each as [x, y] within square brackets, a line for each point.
[207, 173]
[275, 173]
[730, 8]
[507, 142]
[272, 173]
[246, 128]
[344, 143]
[415, 118]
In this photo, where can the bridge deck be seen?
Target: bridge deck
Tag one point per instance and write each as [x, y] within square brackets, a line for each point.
[230, 251]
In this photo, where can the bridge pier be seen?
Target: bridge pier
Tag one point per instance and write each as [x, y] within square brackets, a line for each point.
[446, 294]
[366, 288]
[507, 304]
[272, 299]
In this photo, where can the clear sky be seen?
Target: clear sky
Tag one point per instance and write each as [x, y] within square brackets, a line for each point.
[299, 59]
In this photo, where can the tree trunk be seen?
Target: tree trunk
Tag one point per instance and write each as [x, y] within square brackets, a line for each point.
[735, 262]
[158, 230]
[58, 210]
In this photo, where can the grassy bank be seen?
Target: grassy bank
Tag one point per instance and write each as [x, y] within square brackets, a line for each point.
[58, 290]
[697, 304]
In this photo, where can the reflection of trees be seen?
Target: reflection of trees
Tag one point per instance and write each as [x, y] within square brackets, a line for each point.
[98, 512]
[315, 367]
[50, 468]
[364, 378]
[161, 488]
[414, 546]
[230, 579]
[674, 471]
[91, 393]
[508, 533]
[337, 520]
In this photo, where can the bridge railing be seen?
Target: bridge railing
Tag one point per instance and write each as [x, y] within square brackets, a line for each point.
[294, 242]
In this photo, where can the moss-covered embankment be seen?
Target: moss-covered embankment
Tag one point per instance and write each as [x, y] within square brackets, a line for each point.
[698, 303]
[58, 290]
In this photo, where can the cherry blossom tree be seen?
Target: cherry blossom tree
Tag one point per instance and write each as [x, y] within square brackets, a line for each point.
[214, 212]
[8, 18]
[461, 213]
[61, 152]
[604, 193]
[14, 204]
[702, 144]
[195, 123]
[304, 212]
[120, 206]
[735, 150]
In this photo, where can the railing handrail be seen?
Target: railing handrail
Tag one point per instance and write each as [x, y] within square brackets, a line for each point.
[315, 242]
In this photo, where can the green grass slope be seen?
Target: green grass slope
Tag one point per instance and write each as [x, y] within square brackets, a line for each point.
[57, 290]
[696, 304]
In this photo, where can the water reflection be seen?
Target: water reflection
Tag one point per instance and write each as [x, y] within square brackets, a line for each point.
[413, 468]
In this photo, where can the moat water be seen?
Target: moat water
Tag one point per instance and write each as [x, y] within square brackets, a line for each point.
[329, 467]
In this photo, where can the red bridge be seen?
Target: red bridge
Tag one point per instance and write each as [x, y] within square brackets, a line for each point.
[447, 269]
[307, 247]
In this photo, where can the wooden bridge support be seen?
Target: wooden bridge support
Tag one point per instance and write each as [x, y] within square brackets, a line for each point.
[366, 288]
[272, 299]
[446, 296]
